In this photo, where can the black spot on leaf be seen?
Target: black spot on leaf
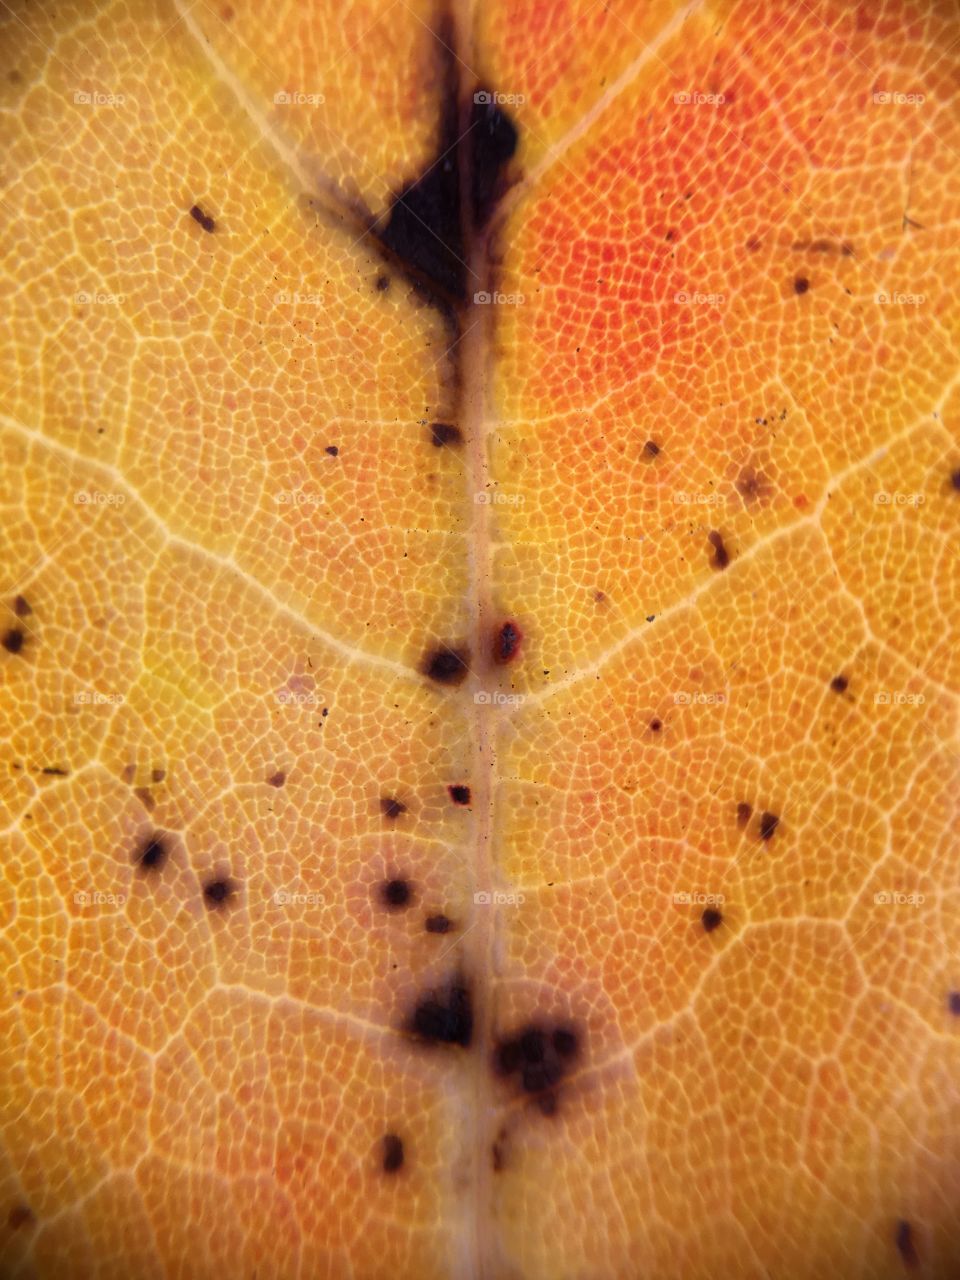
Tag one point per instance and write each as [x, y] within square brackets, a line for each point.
[506, 643]
[953, 1003]
[197, 214]
[21, 608]
[537, 1058]
[446, 666]
[437, 924]
[801, 284]
[152, 852]
[721, 557]
[444, 1016]
[459, 794]
[217, 893]
[332, 450]
[903, 1235]
[13, 640]
[392, 1153]
[492, 139]
[839, 684]
[768, 825]
[744, 813]
[711, 919]
[444, 433]
[651, 450]
[396, 894]
[277, 779]
[390, 807]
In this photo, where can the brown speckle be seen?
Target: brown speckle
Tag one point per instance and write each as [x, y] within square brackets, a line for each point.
[768, 825]
[197, 214]
[391, 807]
[721, 557]
[277, 779]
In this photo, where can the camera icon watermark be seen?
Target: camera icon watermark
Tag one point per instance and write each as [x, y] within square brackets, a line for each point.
[495, 498]
[96, 898]
[698, 698]
[94, 698]
[893, 898]
[695, 99]
[95, 498]
[883, 98]
[498, 899]
[282, 98]
[294, 698]
[82, 98]
[898, 698]
[489, 97]
[693, 899]
[496, 299]
[297, 898]
[496, 698]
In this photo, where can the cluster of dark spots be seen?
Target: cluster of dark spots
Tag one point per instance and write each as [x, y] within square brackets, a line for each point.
[437, 924]
[492, 139]
[538, 1058]
[750, 485]
[277, 779]
[151, 852]
[446, 665]
[390, 807]
[382, 283]
[801, 284]
[905, 1243]
[444, 1015]
[444, 433]
[392, 1153]
[711, 919]
[22, 609]
[768, 825]
[396, 894]
[459, 794]
[197, 214]
[839, 684]
[721, 557]
[332, 449]
[744, 813]
[506, 642]
[953, 1003]
[19, 1216]
[13, 640]
[650, 450]
[218, 892]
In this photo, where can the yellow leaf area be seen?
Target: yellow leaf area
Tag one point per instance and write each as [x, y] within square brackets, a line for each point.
[713, 799]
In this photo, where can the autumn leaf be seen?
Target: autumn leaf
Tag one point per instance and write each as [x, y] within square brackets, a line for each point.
[479, 658]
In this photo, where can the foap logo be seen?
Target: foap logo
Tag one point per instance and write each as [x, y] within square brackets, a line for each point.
[498, 499]
[298, 498]
[94, 498]
[697, 698]
[497, 299]
[893, 898]
[884, 99]
[695, 299]
[297, 898]
[897, 499]
[294, 698]
[693, 899]
[93, 298]
[94, 99]
[285, 298]
[294, 98]
[895, 299]
[94, 698]
[694, 99]
[697, 499]
[898, 698]
[498, 899]
[96, 898]
[491, 98]
[496, 698]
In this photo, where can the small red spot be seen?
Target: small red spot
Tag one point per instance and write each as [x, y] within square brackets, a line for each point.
[801, 501]
[506, 644]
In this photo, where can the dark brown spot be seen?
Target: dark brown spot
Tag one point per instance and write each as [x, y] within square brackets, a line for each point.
[955, 480]
[801, 284]
[158, 775]
[217, 893]
[656, 725]
[21, 608]
[953, 1002]
[506, 642]
[332, 449]
[437, 924]
[720, 558]
[382, 283]
[492, 141]
[744, 813]
[444, 1015]
[711, 919]
[390, 807]
[651, 449]
[54, 771]
[19, 1216]
[443, 433]
[768, 825]
[538, 1059]
[13, 640]
[396, 894]
[459, 794]
[839, 684]
[392, 1153]
[749, 484]
[152, 852]
[277, 779]
[905, 1244]
[197, 214]
[446, 666]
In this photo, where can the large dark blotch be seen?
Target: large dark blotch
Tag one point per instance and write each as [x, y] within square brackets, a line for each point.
[443, 1015]
[536, 1058]
[493, 141]
[446, 665]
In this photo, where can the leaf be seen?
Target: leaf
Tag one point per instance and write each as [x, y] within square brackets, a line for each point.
[479, 667]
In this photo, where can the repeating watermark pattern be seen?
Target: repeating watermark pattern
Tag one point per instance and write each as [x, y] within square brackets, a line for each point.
[895, 299]
[96, 898]
[697, 499]
[285, 298]
[498, 899]
[298, 498]
[490, 97]
[885, 99]
[295, 98]
[897, 499]
[893, 898]
[296, 698]
[496, 698]
[695, 299]
[96, 498]
[94, 698]
[696, 99]
[97, 298]
[698, 698]
[898, 698]
[694, 899]
[93, 98]
[497, 299]
[498, 499]
[298, 898]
